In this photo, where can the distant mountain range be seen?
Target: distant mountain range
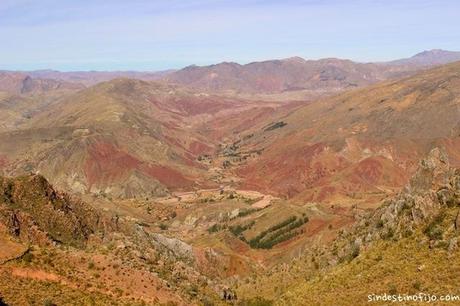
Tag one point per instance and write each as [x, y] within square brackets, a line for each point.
[265, 77]
[23, 83]
[295, 73]
[89, 78]
[429, 58]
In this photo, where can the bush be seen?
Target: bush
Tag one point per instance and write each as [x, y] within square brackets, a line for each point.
[214, 228]
[355, 252]
[239, 229]
[258, 301]
[274, 126]
[392, 290]
[48, 302]
[163, 226]
[417, 285]
[407, 233]
[246, 212]
[434, 230]
[28, 257]
[388, 234]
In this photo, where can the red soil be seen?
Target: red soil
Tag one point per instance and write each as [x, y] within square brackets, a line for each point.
[106, 163]
[34, 274]
[325, 193]
[288, 174]
[318, 173]
[198, 148]
[452, 146]
[3, 161]
[201, 106]
[369, 170]
[167, 176]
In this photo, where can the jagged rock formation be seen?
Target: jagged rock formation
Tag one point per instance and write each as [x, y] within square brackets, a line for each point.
[434, 188]
[34, 212]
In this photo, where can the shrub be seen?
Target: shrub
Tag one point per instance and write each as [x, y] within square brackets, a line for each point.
[257, 301]
[215, 228]
[417, 285]
[246, 212]
[434, 230]
[163, 226]
[274, 126]
[354, 252]
[407, 233]
[392, 290]
[388, 234]
[28, 257]
[48, 302]
[239, 229]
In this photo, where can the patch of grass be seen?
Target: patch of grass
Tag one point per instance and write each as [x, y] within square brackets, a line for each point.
[387, 267]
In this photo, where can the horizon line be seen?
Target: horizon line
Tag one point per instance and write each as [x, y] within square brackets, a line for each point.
[218, 63]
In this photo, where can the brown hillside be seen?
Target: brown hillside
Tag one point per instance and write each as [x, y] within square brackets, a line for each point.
[359, 143]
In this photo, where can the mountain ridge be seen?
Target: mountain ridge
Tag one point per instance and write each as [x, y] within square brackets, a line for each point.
[296, 73]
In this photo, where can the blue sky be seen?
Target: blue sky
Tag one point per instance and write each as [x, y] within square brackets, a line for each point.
[157, 34]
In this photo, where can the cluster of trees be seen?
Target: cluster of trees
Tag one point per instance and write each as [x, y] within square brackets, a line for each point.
[274, 126]
[245, 212]
[270, 237]
[216, 227]
[237, 230]
[278, 233]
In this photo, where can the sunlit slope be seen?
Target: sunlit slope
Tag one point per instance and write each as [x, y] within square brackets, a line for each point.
[357, 144]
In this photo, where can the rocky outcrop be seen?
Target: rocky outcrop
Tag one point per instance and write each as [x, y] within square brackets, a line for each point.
[34, 212]
[424, 204]
[179, 248]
